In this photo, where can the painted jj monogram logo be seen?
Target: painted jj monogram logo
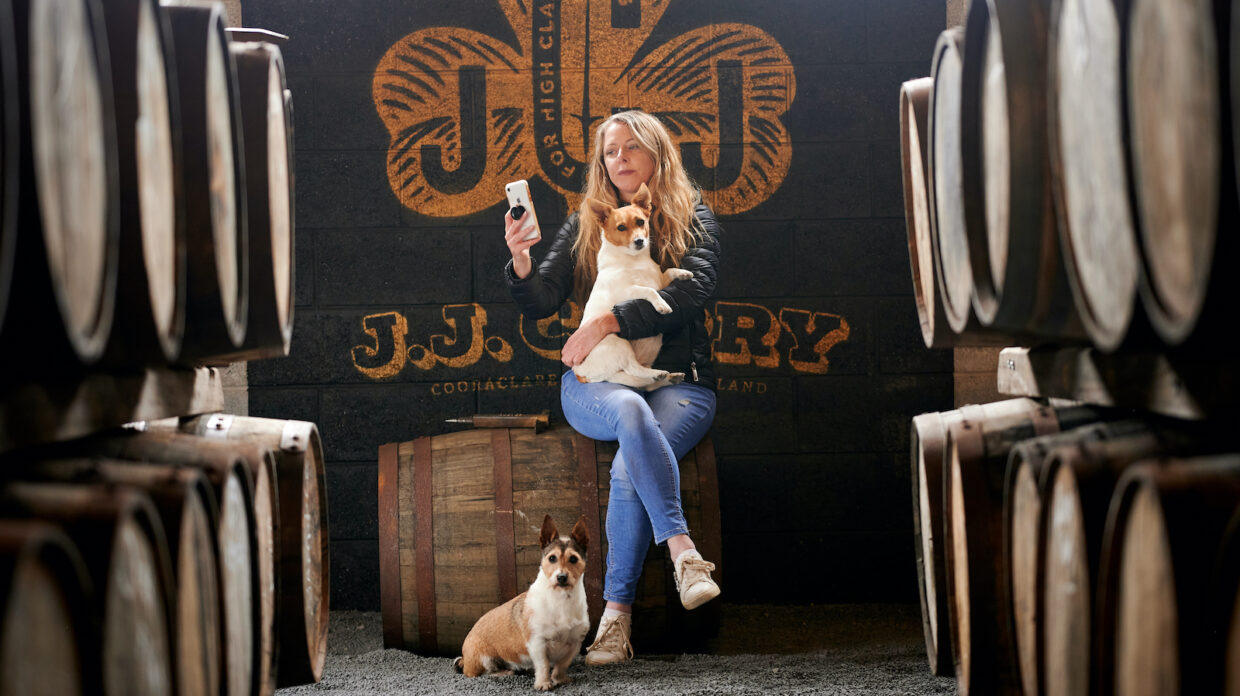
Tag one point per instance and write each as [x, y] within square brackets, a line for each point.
[468, 112]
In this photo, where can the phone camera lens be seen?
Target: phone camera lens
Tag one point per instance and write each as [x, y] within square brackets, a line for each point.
[517, 212]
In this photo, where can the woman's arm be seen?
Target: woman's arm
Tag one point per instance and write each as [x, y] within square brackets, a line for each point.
[549, 282]
[638, 318]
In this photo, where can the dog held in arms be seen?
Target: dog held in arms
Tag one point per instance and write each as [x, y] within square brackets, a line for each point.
[541, 628]
[625, 272]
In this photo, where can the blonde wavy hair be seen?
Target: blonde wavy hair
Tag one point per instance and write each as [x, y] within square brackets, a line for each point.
[673, 225]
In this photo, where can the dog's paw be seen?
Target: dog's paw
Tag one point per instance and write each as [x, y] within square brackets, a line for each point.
[544, 685]
[679, 274]
[662, 307]
[675, 377]
[564, 680]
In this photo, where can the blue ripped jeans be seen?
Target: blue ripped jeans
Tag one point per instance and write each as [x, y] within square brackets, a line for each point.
[655, 429]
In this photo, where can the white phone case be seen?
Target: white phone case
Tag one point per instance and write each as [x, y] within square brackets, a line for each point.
[519, 197]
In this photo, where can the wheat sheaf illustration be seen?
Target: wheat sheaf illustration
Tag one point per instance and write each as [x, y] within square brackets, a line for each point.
[468, 112]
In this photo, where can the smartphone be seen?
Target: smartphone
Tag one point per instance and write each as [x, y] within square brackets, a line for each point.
[521, 206]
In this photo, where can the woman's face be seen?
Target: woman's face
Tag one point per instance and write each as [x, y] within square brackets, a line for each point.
[628, 164]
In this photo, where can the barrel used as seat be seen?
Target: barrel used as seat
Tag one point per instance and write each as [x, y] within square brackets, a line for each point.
[459, 521]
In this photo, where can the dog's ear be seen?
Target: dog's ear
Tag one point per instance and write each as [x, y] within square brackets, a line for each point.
[581, 534]
[600, 210]
[549, 532]
[641, 199]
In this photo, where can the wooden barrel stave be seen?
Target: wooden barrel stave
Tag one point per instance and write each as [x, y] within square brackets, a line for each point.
[213, 184]
[122, 541]
[557, 472]
[65, 253]
[46, 635]
[152, 265]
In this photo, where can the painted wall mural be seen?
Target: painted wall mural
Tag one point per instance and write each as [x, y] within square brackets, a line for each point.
[743, 333]
[468, 112]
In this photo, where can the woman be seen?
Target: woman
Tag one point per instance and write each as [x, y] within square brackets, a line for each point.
[655, 429]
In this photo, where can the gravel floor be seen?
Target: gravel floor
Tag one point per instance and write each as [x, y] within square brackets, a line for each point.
[837, 649]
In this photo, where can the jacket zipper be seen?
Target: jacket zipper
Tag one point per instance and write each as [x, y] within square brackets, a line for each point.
[692, 362]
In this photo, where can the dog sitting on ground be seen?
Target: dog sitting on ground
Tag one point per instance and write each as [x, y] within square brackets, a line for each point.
[626, 272]
[542, 628]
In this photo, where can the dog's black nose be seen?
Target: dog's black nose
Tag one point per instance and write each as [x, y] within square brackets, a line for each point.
[639, 242]
[562, 578]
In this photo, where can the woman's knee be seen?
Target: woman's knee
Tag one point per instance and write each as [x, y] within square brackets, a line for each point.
[632, 413]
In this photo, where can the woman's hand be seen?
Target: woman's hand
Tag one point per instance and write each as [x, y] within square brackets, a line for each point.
[520, 249]
[583, 340]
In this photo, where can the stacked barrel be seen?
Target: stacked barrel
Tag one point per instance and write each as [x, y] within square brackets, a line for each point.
[1077, 550]
[1069, 179]
[147, 188]
[146, 223]
[1069, 172]
[186, 555]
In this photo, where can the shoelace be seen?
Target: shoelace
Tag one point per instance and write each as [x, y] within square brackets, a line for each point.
[613, 640]
[697, 566]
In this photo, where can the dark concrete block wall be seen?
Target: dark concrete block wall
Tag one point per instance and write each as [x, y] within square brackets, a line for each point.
[813, 461]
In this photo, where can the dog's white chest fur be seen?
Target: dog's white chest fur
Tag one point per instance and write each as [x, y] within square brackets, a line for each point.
[618, 274]
[624, 276]
[558, 619]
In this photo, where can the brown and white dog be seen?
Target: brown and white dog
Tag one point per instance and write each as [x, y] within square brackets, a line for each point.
[542, 628]
[626, 272]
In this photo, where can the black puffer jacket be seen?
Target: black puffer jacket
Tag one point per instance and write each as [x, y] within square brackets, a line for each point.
[686, 344]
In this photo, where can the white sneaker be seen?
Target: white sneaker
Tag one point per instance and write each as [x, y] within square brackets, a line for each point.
[611, 644]
[693, 579]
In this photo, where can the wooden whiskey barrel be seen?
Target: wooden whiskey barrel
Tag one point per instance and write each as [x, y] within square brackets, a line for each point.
[949, 209]
[10, 143]
[45, 624]
[914, 158]
[929, 448]
[978, 445]
[163, 441]
[213, 183]
[473, 497]
[65, 253]
[1077, 487]
[228, 471]
[1019, 284]
[919, 98]
[188, 512]
[1169, 520]
[1024, 518]
[301, 532]
[1182, 167]
[122, 542]
[152, 267]
[266, 123]
[1087, 126]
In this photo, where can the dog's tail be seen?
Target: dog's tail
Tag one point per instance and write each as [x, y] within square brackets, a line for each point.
[456, 665]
